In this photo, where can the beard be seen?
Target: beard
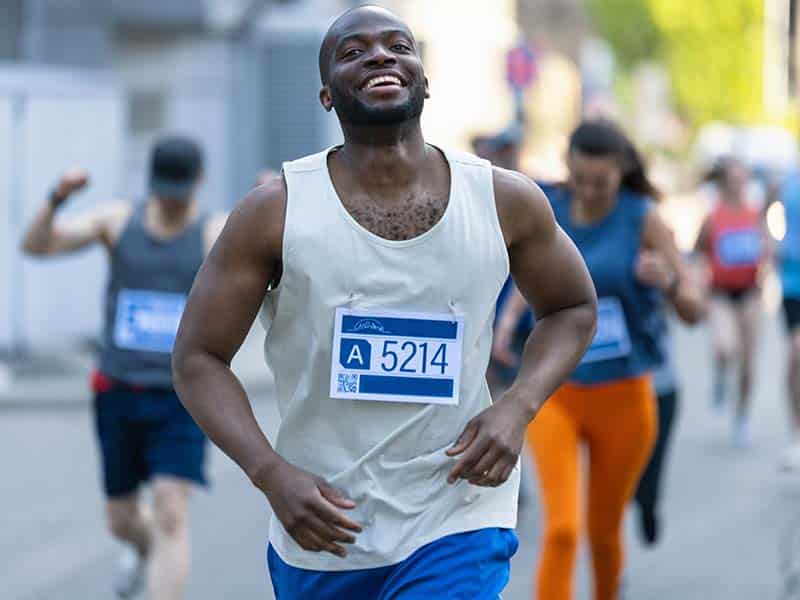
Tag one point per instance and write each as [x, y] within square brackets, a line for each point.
[353, 111]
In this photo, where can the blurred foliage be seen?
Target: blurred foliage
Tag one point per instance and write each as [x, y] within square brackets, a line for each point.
[629, 28]
[713, 50]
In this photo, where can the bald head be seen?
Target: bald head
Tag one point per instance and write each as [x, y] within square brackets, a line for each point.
[349, 23]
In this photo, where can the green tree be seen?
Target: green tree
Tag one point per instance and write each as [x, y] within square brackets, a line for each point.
[628, 27]
[713, 50]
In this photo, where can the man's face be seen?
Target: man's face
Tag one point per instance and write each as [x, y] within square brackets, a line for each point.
[374, 73]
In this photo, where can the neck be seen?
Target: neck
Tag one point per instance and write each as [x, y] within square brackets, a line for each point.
[172, 213]
[384, 156]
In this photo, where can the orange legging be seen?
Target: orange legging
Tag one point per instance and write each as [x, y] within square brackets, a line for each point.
[617, 421]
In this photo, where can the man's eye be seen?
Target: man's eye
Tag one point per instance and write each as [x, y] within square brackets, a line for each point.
[352, 52]
[401, 47]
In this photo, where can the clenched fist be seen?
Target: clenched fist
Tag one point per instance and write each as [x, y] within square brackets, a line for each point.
[70, 182]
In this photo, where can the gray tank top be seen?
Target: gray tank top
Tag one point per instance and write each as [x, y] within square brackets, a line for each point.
[149, 281]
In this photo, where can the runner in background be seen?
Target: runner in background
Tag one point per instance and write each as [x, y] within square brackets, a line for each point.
[789, 268]
[609, 403]
[145, 435]
[667, 388]
[734, 243]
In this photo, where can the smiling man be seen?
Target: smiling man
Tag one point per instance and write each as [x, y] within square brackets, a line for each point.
[376, 267]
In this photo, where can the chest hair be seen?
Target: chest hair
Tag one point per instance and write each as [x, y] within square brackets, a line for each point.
[403, 221]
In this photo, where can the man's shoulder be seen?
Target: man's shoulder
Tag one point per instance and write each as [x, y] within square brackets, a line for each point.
[464, 158]
[521, 203]
[309, 163]
[266, 199]
[515, 187]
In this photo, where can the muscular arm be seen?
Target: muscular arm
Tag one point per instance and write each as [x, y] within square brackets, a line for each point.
[222, 305]
[46, 237]
[214, 227]
[686, 296]
[551, 275]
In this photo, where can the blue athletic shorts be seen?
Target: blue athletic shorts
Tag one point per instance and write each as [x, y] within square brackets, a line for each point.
[143, 433]
[471, 566]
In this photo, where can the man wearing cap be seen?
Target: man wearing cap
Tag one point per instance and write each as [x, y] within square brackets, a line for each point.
[155, 249]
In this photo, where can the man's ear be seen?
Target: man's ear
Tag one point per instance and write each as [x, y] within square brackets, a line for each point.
[325, 98]
[427, 89]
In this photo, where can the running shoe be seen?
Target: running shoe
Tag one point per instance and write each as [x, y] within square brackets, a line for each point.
[130, 575]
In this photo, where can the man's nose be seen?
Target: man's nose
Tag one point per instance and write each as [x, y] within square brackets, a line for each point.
[380, 55]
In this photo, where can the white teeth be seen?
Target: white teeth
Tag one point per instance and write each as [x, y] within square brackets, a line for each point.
[382, 79]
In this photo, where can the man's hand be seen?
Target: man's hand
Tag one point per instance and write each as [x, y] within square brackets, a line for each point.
[307, 507]
[490, 444]
[70, 182]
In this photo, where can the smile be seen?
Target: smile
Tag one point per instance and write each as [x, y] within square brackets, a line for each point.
[382, 80]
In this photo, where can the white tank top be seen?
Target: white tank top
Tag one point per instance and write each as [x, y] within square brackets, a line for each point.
[388, 457]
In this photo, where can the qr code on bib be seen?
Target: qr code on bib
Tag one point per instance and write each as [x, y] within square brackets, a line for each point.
[348, 383]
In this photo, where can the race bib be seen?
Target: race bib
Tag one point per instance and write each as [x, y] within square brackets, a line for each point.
[147, 321]
[397, 356]
[739, 248]
[611, 339]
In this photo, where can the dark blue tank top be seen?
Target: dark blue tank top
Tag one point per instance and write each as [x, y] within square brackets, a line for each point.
[149, 282]
[628, 325]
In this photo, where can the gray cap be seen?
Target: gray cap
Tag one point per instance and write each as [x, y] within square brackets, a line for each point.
[175, 166]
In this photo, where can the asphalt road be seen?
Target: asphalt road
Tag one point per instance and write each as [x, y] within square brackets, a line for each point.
[729, 513]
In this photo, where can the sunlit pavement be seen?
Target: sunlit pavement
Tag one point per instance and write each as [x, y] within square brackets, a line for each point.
[726, 510]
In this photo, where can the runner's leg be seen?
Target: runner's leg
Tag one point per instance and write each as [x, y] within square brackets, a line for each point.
[748, 318]
[129, 522]
[794, 381]
[170, 556]
[648, 493]
[722, 323]
[555, 440]
[620, 441]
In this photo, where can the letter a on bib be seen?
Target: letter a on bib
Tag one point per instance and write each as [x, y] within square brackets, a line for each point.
[355, 354]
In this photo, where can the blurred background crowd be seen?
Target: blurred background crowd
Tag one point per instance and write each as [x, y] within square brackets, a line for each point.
[94, 83]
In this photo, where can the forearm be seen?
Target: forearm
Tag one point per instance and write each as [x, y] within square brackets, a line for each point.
[39, 236]
[552, 351]
[218, 402]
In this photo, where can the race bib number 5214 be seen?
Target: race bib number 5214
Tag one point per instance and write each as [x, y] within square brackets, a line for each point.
[396, 356]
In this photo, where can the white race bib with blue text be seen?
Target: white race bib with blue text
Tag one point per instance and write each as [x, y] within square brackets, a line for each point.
[147, 321]
[397, 356]
[611, 339]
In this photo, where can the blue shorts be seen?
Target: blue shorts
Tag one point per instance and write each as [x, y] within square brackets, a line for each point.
[146, 433]
[471, 566]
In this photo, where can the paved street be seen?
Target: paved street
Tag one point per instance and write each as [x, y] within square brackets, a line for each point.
[727, 510]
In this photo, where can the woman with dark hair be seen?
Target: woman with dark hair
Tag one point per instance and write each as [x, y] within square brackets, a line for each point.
[733, 239]
[608, 405]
